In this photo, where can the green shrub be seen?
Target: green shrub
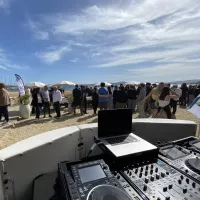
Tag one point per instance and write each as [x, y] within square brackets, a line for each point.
[69, 97]
[24, 99]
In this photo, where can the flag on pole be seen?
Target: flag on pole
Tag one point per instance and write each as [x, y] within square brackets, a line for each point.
[194, 107]
[20, 85]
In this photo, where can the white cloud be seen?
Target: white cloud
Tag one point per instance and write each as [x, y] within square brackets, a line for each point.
[50, 56]
[7, 64]
[4, 4]
[36, 29]
[167, 72]
[74, 60]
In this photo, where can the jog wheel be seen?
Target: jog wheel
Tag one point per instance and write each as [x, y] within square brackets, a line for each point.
[193, 164]
[107, 192]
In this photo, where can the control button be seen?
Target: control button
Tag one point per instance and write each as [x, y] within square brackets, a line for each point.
[151, 166]
[181, 177]
[158, 198]
[167, 173]
[157, 176]
[162, 174]
[136, 171]
[141, 169]
[146, 173]
[165, 189]
[186, 171]
[105, 167]
[115, 173]
[187, 180]
[130, 173]
[147, 167]
[140, 175]
[156, 170]
[193, 184]
[167, 198]
[179, 181]
[152, 178]
[118, 177]
[127, 171]
[184, 190]
[146, 180]
[145, 188]
[151, 172]
[170, 186]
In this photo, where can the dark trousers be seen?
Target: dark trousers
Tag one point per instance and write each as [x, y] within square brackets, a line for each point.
[38, 110]
[167, 111]
[4, 112]
[95, 106]
[84, 106]
[57, 108]
[173, 104]
[47, 108]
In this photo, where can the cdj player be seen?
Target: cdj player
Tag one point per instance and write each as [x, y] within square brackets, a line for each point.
[93, 181]
[182, 159]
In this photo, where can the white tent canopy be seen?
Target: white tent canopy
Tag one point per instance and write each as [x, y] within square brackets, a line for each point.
[35, 85]
[65, 83]
[106, 84]
[133, 83]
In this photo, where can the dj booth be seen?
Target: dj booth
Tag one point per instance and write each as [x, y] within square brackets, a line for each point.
[95, 163]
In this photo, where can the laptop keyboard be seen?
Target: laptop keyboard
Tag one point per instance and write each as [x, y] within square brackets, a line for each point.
[121, 140]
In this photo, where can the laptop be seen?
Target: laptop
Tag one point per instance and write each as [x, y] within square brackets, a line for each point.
[115, 132]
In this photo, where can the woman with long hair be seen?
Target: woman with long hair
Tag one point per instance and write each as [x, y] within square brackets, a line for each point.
[164, 101]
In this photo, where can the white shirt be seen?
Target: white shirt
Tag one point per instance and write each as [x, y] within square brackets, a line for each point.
[57, 96]
[179, 92]
[39, 98]
[163, 103]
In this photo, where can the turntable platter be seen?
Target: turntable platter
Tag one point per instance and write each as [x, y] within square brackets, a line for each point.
[107, 192]
[193, 164]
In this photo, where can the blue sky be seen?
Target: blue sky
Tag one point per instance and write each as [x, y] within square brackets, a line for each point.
[97, 40]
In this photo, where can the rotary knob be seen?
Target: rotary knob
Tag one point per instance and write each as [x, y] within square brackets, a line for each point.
[145, 188]
[157, 176]
[146, 180]
[152, 178]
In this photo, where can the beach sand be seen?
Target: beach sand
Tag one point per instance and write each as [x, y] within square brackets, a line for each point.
[19, 129]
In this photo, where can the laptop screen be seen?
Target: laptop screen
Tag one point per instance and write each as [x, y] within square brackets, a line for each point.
[114, 122]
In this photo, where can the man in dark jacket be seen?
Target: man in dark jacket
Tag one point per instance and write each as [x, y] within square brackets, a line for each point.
[76, 99]
[121, 98]
[132, 98]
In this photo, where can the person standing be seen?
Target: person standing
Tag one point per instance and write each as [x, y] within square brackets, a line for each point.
[132, 98]
[110, 98]
[141, 102]
[76, 99]
[37, 102]
[57, 97]
[84, 95]
[114, 96]
[103, 97]
[95, 100]
[121, 98]
[174, 101]
[4, 103]
[46, 101]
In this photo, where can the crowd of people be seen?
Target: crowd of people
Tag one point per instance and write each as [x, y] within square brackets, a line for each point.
[143, 98]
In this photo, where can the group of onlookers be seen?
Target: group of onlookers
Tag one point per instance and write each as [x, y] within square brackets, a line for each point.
[143, 99]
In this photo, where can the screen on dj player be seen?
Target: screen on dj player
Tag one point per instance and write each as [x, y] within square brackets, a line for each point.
[91, 173]
[174, 153]
[197, 145]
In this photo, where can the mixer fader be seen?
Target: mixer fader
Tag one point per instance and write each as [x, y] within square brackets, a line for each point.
[159, 181]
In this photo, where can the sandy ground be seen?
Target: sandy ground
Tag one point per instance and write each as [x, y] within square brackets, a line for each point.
[19, 129]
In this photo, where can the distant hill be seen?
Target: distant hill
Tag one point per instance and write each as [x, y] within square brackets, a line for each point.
[195, 81]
